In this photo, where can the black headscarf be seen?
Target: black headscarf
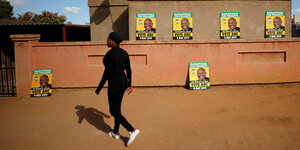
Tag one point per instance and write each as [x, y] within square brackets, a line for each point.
[115, 37]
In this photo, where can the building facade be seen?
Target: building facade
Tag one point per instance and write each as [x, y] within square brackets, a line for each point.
[120, 16]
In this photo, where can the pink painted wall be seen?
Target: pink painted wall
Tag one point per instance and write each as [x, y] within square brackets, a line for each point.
[165, 63]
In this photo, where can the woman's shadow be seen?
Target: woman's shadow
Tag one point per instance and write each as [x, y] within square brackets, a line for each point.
[95, 118]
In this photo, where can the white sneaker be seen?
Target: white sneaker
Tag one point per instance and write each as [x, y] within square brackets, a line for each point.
[116, 136]
[132, 136]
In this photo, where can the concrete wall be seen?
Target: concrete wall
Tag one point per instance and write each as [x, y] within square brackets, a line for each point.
[297, 19]
[107, 16]
[206, 16]
[160, 63]
[119, 16]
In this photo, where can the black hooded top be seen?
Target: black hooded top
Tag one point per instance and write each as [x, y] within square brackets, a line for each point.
[116, 60]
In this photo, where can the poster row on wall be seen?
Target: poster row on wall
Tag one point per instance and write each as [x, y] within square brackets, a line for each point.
[229, 25]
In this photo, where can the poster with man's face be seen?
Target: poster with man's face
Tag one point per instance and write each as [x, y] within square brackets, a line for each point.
[41, 83]
[182, 26]
[199, 76]
[145, 26]
[275, 24]
[230, 25]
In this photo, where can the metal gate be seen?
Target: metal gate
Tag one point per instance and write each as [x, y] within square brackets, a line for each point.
[7, 71]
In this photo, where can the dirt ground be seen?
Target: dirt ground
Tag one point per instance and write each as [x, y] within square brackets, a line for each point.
[240, 117]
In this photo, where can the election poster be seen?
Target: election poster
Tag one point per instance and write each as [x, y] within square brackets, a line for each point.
[145, 26]
[199, 76]
[275, 24]
[230, 25]
[41, 83]
[182, 26]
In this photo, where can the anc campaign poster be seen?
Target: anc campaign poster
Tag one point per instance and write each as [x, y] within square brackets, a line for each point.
[145, 26]
[275, 24]
[41, 83]
[199, 76]
[182, 26]
[230, 25]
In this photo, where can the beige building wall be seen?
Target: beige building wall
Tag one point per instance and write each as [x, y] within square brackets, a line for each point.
[107, 16]
[206, 16]
[120, 16]
[297, 19]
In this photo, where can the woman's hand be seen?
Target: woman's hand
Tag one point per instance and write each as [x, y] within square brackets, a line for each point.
[97, 91]
[129, 90]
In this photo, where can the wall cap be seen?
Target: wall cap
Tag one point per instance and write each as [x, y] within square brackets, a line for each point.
[161, 42]
[210, 0]
[25, 37]
[107, 3]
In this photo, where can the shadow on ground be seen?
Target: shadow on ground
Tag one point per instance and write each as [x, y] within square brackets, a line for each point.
[93, 116]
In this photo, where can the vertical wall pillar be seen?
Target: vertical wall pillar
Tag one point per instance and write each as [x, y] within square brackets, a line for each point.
[107, 16]
[23, 61]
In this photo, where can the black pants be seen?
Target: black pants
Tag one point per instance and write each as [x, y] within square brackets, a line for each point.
[115, 99]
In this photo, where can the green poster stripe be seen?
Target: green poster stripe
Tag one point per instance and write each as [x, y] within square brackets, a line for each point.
[275, 13]
[42, 71]
[198, 64]
[183, 15]
[230, 14]
[145, 15]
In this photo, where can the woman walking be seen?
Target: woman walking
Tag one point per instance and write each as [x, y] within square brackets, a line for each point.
[116, 61]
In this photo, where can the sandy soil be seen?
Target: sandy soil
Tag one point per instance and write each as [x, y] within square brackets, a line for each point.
[244, 117]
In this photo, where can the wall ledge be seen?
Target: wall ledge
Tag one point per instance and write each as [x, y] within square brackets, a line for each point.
[107, 3]
[161, 42]
[25, 37]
